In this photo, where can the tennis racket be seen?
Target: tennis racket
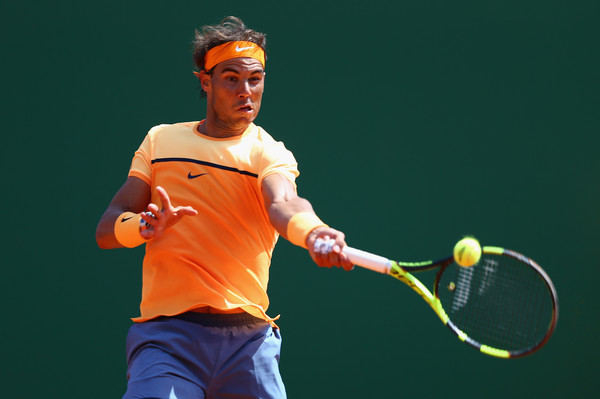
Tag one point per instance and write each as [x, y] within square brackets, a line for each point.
[504, 306]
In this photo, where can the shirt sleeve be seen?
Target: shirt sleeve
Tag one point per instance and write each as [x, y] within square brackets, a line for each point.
[278, 159]
[141, 165]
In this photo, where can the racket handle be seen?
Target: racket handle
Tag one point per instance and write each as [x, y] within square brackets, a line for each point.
[368, 260]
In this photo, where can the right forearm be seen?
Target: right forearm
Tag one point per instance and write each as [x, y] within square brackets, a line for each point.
[133, 196]
[105, 231]
[280, 213]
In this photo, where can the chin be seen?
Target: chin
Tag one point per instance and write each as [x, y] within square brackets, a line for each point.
[250, 118]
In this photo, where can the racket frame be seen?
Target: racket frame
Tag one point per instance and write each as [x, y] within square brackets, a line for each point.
[400, 271]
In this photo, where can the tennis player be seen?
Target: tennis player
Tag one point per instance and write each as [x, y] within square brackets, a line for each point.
[209, 200]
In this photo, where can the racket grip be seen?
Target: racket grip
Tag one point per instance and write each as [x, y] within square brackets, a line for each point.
[368, 260]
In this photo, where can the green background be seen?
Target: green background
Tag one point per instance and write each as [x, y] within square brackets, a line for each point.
[414, 123]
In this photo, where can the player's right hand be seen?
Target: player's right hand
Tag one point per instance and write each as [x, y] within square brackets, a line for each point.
[162, 219]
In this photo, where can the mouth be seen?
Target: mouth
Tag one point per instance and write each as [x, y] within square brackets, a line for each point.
[247, 108]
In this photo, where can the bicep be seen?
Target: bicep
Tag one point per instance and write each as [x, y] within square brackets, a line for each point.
[282, 202]
[133, 196]
[277, 189]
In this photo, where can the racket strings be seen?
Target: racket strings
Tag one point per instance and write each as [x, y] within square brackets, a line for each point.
[501, 302]
[517, 322]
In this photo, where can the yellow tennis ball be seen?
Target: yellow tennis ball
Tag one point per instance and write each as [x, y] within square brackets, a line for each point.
[467, 252]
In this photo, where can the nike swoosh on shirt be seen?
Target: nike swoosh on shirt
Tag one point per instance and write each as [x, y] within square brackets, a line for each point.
[238, 48]
[191, 176]
[126, 219]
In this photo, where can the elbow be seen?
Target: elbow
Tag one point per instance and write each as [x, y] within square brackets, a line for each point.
[101, 240]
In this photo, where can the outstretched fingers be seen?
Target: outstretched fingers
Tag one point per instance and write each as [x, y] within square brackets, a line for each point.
[159, 220]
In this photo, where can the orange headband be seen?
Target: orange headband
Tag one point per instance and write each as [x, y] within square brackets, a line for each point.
[231, 50]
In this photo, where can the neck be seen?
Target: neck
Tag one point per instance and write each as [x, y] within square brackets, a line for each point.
[217, 128]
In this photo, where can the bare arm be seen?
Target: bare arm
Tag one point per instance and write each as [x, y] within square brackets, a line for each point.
[282, 203]
[134, 196]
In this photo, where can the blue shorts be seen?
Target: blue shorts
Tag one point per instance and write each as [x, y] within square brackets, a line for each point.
[197, 355]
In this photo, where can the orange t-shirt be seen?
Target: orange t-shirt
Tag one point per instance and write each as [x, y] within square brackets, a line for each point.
[220, 257]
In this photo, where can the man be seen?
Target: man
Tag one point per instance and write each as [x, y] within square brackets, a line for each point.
[209, 199]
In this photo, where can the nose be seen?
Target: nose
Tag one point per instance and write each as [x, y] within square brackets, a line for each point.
[244, 89]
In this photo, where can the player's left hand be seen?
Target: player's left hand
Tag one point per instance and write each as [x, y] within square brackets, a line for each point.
[325, 247]
[162, 219]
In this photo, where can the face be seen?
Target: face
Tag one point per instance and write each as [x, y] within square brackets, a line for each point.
[234, 93]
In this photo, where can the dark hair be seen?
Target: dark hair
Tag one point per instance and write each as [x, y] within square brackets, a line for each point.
[230, 29]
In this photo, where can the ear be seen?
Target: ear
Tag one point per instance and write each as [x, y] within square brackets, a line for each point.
[205, 80]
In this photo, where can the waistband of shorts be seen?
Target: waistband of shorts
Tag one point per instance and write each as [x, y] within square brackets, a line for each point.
[218, 319]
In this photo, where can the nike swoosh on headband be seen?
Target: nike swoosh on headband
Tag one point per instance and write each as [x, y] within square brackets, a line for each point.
[234, 49]
[238, 48]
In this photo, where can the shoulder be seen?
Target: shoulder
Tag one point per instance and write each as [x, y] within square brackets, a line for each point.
[263, 136]
[271, 152]
[171, 128]
[266, 141]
